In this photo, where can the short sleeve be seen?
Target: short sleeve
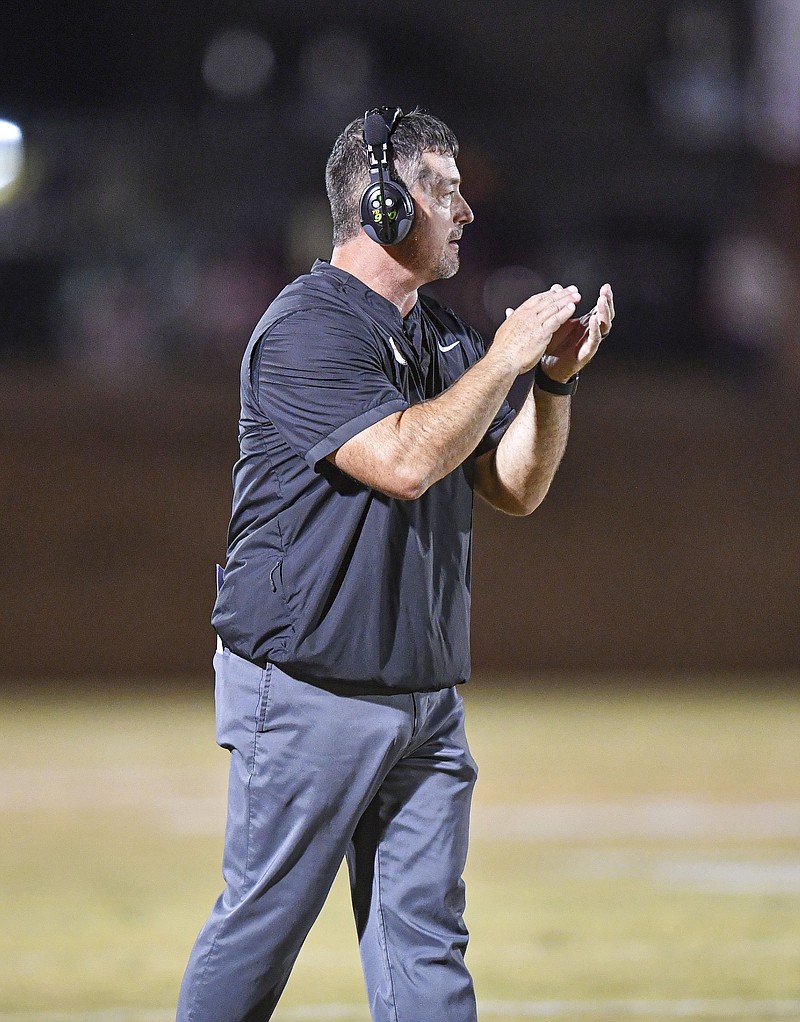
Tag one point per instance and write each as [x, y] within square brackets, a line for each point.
[321, 380]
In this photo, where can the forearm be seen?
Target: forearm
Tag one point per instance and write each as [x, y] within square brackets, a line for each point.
[516, 476]
[437, 436]
[408, 452]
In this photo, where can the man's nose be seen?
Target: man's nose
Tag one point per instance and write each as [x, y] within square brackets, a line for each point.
[465, 214]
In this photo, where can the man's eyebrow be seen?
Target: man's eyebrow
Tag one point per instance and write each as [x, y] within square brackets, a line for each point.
[438, 180]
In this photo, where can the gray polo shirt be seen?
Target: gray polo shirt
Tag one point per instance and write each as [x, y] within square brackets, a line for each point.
[331, 580]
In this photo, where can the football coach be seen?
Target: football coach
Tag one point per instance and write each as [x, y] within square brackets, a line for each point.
[370, 415]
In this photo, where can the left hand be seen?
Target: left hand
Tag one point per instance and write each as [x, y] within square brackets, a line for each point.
[576, 341]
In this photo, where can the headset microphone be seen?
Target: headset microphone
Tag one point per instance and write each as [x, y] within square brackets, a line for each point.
[387, 209]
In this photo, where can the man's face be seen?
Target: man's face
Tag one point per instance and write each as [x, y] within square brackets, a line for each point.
[439, 218]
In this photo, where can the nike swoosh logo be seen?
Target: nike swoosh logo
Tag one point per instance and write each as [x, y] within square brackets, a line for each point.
[448, 347]
[397, 353]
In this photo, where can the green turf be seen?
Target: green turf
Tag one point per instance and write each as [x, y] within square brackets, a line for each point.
[111, 816]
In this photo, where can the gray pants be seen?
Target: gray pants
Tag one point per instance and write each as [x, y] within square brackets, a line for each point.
[386, 781]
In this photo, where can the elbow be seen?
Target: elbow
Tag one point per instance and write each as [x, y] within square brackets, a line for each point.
[394, 473]
[521, 508]
[408, 482]
[528, 503]
[409, 475]
[516, 505]
[512, 493]
[527, 507]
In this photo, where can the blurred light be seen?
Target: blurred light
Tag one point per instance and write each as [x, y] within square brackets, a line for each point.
[238, 64]
[774, 113]
[11, 153]
[696, 90]
[748, 283]
[507, 288]
[339, 57]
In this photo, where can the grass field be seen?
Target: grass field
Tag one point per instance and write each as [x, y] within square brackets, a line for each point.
[635, 854]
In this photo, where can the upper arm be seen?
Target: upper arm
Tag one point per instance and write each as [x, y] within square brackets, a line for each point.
[483, 472]
[489, 486]
[486, 483]
[322, 381]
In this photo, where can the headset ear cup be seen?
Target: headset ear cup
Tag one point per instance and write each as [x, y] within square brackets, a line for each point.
[391, 224]
[405, 218]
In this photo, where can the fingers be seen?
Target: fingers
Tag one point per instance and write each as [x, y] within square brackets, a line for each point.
[603, 313]
[599, 323]
[557, 296]
[544, 313]
[551, 319]
[544, 322]
[606, 289]
[529, 328]
[595, 336]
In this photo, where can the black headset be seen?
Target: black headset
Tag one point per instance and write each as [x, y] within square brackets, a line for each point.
[387, 209]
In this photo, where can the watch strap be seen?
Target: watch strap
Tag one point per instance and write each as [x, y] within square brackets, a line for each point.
[551, 386]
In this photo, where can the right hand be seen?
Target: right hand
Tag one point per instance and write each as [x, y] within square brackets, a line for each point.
[528, 329]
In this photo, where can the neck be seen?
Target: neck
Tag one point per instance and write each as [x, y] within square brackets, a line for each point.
[379, 270]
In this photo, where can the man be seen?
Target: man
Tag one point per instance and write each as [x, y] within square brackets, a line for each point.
[369, 416]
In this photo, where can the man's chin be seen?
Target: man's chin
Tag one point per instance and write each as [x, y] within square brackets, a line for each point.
[446, 268]
[449, 266]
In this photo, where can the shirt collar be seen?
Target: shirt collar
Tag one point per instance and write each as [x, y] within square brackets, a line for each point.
[378, 302]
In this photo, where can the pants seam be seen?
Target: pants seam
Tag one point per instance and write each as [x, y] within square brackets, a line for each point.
[385, 936]
[202, 979]
[263, 700]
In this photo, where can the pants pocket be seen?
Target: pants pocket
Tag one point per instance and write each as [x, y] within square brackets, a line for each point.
[241, 698]
[265, 690]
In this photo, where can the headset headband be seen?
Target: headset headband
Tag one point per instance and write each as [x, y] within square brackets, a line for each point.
[387, 209]
[379, 124]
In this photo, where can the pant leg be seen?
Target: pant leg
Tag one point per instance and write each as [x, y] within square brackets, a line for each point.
[406, 862]
[305, 764]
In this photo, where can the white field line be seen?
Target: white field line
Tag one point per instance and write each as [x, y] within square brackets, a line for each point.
[192, 801]
[701, 874]
[688, 1008]
[183, 799]
[705, 1008]
[739, 877]
[103, 1015]
[663, 818]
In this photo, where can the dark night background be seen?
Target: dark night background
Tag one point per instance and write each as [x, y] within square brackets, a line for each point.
[172, 182]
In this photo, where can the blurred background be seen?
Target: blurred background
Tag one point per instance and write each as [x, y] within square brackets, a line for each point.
[161, 178]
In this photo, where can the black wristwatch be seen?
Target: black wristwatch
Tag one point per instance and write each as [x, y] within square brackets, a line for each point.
[551, 386]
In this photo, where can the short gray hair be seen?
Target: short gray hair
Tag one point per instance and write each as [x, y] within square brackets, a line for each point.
[347, 170]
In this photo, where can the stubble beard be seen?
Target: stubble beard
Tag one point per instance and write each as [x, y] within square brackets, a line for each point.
[449, 265]
[443, 267]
